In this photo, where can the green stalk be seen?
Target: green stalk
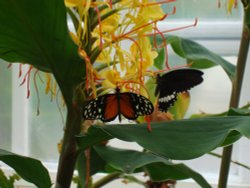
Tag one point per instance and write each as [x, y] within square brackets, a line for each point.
[103, 181]
[235, 96]
[68, 155]
[232, 161]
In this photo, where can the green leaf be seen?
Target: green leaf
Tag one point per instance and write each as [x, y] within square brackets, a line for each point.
[176, 172]
[239, 112]
[158, 168]
[93, 137]
[243, 111]
[7, 182]
[232, 137]
[180, 107]
[36, 33]
[81, 168]
[199, 56]
[4, 182]
[206, 115]
[151, 85]
[180, 139]
[160, 59]
[127, 161]
[29, 169]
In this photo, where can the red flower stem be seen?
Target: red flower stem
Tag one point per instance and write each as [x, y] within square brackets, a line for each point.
[138, 28]
[100, 25]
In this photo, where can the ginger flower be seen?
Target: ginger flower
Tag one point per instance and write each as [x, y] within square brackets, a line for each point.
[113, 38]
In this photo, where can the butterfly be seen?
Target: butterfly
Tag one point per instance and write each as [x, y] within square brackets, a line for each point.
[174, 82]
[107, 107]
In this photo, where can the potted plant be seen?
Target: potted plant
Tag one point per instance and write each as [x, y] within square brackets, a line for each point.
[91, 59]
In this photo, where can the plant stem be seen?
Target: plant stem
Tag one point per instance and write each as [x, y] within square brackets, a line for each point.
[69, 150]
[107, 179]
[232, 161]
[235, 97]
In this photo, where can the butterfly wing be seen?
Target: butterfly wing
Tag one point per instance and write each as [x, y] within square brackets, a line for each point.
[108, 107]
[174, 82]
[104, 108]
[133, 105]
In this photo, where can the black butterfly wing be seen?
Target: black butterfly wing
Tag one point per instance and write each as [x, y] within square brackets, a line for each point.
[104, 108]
[174, 82]
[133, 105]
[166, 101]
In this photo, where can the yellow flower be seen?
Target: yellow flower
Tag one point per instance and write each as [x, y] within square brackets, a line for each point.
[110, 24]
[145, 55]
[104, 57]
[111, 78]
[118, 39]
[230, 5]
[72, 3]
[150, 11]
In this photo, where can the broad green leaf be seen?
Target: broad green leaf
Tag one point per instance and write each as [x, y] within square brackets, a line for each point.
[183, 139]
[36, 33]
[180, 139]
[159, 172]
[29, 169]
[235, 135]
[232, 137]
[199, 56]
[158, 168]
[127, 161]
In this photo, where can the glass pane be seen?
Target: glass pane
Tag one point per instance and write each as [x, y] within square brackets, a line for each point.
[5, 106]
[204, 10]
[46, 129]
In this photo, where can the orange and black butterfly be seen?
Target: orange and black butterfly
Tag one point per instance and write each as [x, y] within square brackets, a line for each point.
[107, 107]
[174, 82]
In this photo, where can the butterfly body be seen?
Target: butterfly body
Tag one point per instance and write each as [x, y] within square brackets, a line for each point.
[174, 82]
[108, 107]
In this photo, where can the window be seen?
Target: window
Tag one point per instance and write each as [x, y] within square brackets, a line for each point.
[6, 106]
[35, 135]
